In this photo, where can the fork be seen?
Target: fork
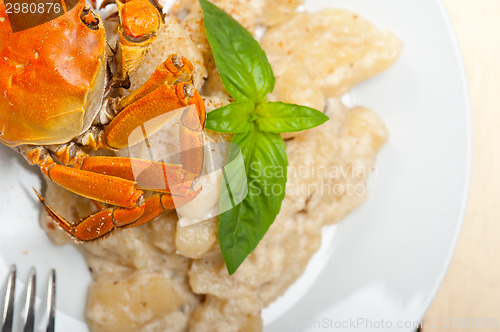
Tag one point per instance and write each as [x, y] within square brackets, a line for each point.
[29, 313]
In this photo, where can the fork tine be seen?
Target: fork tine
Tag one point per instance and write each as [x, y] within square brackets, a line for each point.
[29, 316]
[8, 308]
[51, 301]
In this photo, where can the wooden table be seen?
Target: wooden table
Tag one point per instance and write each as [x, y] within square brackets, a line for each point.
[471, 288]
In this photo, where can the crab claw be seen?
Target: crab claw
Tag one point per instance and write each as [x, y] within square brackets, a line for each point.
[140, 21]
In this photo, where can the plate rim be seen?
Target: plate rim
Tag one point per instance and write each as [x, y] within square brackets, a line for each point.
[468, 153]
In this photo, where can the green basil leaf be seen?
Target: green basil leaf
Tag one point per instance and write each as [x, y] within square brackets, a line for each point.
[278, 117]
[251, 195]
[243, 65]
[233, 118]
[235, 187]
[242, 227]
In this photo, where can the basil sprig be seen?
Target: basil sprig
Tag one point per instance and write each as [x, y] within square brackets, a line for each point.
[256, 124]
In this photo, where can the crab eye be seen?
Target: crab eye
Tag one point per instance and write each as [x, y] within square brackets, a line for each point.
[89, 19]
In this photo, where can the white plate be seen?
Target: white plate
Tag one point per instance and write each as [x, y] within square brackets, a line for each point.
[387, 259]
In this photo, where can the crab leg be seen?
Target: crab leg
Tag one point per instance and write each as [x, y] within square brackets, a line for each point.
[191, 141]
[148, 175]
[143, 174]
[98, 224]
[161, 105]
[99, 187]
[103, 222]
[174, 69]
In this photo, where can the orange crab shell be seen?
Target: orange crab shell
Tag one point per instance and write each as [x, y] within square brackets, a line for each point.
[52, 79]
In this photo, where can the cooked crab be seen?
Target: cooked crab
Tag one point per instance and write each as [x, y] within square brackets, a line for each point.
[59, 99]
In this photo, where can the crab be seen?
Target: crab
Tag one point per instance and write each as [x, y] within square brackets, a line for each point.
[60, 100]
